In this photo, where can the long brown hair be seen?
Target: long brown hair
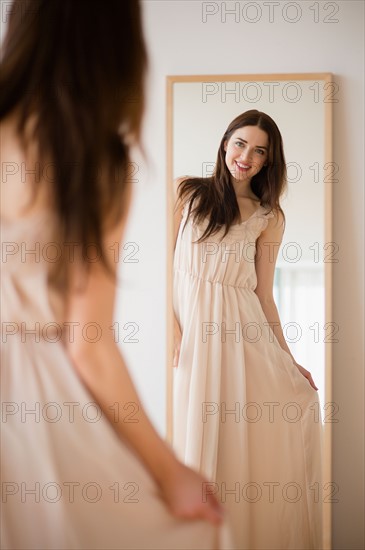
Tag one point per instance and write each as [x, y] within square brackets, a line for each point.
[79, 67]
[214, 197]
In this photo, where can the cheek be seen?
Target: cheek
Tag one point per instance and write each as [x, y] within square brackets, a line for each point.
[229, 155]
[257, 164]
[262, 161]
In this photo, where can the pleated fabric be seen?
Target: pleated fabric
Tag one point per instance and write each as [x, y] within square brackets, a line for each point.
[68, 481]
[244, 415]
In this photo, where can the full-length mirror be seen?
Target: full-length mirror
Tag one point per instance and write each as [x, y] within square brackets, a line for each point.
[199, 109]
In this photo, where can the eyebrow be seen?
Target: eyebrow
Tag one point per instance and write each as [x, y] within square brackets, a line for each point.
[258, 146]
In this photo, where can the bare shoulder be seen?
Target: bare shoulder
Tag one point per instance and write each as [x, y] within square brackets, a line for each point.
[277, 218]
[276, 225]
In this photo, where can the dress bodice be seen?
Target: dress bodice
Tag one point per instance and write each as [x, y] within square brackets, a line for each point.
[229, 260]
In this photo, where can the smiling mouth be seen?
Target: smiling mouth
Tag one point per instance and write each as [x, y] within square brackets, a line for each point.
[242, 166]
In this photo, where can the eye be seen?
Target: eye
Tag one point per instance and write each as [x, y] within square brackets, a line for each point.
[239, 143]
[260, 151]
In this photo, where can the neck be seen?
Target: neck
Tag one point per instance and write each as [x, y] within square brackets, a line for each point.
[243, 188]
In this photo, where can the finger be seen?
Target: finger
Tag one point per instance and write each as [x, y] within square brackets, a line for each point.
[216, 512]
[212, 514]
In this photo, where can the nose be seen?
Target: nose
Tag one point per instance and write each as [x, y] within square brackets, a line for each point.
[246, 154]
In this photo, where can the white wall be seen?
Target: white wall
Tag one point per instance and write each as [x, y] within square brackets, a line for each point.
[180, 42]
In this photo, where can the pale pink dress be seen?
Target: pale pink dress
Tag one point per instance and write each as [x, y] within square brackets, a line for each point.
[68, 481]
[243, 413]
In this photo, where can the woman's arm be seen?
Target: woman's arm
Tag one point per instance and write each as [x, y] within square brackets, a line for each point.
[177, 221]
[178, 207]
[268, 245]
[102, 369]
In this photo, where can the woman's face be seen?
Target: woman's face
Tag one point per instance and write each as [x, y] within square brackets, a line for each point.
[246, 152]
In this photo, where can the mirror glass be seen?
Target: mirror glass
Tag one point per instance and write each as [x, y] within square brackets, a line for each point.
[199, 109]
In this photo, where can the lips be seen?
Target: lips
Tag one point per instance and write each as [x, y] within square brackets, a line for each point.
[242, 166]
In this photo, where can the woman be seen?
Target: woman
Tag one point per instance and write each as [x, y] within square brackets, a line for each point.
[82, 466]
[243, 407]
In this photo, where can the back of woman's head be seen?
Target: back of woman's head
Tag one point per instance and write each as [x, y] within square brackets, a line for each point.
[79, 67]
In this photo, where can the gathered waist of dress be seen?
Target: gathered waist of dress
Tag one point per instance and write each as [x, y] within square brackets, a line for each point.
[247, 286]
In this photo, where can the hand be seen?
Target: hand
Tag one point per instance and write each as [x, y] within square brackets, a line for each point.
[183, 492]
[306, 375]
[177, 343]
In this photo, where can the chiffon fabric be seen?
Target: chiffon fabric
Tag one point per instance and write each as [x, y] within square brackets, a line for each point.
[244, 415]
[68, 481]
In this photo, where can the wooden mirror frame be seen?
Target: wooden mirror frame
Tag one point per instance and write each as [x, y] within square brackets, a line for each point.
[327, 80]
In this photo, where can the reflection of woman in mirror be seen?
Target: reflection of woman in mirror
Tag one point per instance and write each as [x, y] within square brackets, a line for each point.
[82, 466]
[246, 414]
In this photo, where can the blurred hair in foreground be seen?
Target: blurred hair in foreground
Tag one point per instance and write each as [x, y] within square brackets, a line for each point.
[74, 72]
